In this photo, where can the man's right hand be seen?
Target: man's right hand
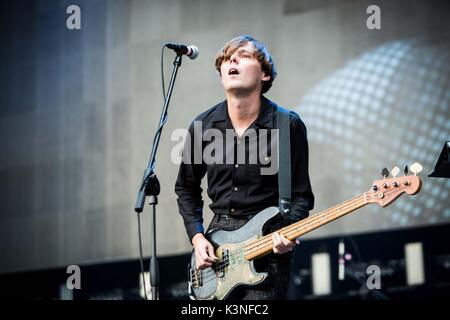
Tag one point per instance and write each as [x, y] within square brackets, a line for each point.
[204, 252]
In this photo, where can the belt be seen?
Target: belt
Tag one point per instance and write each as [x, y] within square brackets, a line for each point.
[227, 216]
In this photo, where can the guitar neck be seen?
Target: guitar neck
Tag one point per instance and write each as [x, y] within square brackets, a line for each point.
[264, 246]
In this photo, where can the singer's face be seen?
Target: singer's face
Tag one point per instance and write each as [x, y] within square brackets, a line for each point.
[242, 72]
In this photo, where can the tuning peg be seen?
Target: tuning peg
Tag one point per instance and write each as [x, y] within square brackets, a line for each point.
[416, 168]
[395, 170]
[385, 173]
[405, 170]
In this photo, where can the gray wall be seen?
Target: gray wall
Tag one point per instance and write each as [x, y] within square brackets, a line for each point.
[78, 110]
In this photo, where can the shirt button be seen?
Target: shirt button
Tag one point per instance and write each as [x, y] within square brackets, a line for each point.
[236, 165]
[235, 189]
[239, 141]
[232, 210]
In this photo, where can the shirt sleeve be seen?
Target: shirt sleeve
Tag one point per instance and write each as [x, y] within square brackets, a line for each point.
[188, 186]
[302, 199]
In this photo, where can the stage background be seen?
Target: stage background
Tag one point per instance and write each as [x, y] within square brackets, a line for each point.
[78, 110]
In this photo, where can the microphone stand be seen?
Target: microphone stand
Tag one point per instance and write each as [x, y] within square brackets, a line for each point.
[150, 186]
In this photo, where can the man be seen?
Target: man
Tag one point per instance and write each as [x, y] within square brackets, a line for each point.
[238, 190]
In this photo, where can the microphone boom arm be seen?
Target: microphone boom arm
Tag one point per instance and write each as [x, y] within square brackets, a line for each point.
[149, 171]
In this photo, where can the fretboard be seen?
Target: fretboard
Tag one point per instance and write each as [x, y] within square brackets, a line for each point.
[263, 245]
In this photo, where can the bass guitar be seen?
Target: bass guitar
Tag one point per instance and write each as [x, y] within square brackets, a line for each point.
[237, 249]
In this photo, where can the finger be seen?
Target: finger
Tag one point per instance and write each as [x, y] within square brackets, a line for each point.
[278, 237]
[278, 246]
[205, 258]
[284, 244]
[274, 243]
[199, 263]
[279, 251]
[276, 240]
[276, 250]
[203, 266]
[208, 259]
[286, 241]
[211, 253]
[203, 263]
[297, 241]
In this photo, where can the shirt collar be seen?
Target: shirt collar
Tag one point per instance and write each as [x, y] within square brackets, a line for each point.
[265, 117]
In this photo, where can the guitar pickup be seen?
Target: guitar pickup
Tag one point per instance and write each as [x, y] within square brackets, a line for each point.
[222, 264]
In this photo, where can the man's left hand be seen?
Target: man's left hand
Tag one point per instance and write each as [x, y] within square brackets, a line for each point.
[281, 244]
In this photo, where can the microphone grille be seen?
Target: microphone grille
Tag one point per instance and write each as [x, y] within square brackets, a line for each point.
[194, 52]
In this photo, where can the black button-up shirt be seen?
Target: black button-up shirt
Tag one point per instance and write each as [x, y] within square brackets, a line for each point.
[237, 187]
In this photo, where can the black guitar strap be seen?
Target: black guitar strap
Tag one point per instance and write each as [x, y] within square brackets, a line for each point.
[284, 160]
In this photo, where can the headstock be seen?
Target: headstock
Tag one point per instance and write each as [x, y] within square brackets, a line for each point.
[387, 190]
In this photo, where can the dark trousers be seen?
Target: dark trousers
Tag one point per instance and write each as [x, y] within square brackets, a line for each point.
[278, 266]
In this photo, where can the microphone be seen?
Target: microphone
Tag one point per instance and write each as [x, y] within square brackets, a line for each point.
[190, 51]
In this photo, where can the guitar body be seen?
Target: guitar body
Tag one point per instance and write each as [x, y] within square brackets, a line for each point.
[232, 270]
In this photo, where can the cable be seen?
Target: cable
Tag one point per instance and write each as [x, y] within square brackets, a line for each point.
[141, 256]
[162, 72]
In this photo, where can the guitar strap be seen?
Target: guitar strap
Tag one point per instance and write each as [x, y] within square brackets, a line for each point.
[284, 160]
